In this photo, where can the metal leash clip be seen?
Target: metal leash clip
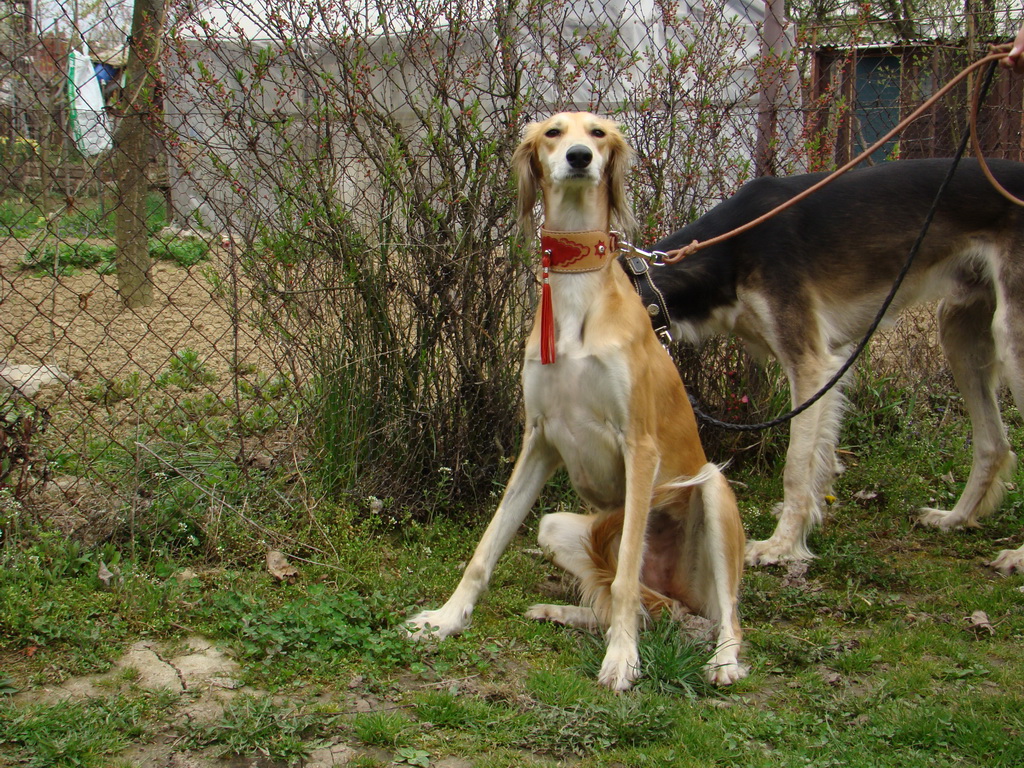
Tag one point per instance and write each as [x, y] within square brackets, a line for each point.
[657, 258]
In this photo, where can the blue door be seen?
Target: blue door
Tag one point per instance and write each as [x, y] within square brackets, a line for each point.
[878, 104]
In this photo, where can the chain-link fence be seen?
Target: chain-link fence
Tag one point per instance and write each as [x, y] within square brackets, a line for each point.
[258, 254]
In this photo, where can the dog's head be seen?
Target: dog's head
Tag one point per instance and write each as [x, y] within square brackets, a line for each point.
[573, 148]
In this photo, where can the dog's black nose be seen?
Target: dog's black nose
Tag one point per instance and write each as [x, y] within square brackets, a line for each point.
[578, 156]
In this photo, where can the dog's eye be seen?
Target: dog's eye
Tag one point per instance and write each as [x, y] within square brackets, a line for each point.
[597, 133]
[552, 133]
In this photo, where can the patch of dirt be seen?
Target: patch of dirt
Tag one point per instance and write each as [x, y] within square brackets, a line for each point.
[205, 679]
[200, 669]
[79, 323]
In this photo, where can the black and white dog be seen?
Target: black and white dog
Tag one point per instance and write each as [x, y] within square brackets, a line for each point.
[805, 286]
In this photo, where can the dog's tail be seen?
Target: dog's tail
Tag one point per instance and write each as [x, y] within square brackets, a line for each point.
[681, 486]
[603, 547]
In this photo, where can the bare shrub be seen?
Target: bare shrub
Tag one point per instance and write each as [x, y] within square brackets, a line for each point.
[361, 164]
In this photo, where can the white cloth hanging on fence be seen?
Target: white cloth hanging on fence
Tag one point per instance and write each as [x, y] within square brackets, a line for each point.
[89, 122]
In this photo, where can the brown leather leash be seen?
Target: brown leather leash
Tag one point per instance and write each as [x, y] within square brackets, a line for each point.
[999, 51]
[996, 53]
[658, 257]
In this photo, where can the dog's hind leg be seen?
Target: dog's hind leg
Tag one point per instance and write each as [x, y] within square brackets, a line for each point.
[536, 462]
[810, 462]
[1008, 328]
[564, 536]
[966, 332]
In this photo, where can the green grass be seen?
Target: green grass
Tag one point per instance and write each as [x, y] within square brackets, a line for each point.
[381, 729]
[71, 246]
[867, 660]
[72, 734]
[69, 258]
[189, 465]
[256, 724]
[51, 598]
[20, 217]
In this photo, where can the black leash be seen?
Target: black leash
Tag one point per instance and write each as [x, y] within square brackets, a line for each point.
[881, 312]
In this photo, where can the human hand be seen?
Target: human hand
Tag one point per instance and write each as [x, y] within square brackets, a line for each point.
[1014, 60]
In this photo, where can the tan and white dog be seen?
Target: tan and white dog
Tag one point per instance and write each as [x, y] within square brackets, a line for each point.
[604, 400]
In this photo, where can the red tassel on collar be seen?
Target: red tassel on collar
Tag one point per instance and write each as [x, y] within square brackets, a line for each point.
[547, 317]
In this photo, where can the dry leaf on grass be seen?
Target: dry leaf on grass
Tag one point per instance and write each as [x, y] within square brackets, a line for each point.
[280, 568]
[979, 621]
[105, 575]
[796, 574]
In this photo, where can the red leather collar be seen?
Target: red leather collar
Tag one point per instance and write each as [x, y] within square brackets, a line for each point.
[578, 251]
[568, 252]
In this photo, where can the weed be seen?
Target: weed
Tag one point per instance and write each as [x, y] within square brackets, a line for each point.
[253, 725]
[266, 389]
[173, 519]
[129, 675]
[60, 558]
[412, 756]
[17, 149]
[319, 628]
[565, 688]
[670, 662]
[51, 598]
[185, 251]
[261, 419]
[22, 425]
[365, 761]
[7, 685]
[11, 513]
[381, 729]
[73, 734]
[444, 709]
[110, 391]
[187, 371]
[597, 726]
[18, 217]
[67, 258]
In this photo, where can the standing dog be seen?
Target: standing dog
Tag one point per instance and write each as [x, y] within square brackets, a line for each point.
[604, 400]
[805, 285]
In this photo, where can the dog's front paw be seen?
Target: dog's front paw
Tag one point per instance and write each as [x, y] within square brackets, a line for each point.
[776, 550]
[724, 669]
[436, 625]
[943, 519]
[621, 667]
[622, 660]
[1008, 561]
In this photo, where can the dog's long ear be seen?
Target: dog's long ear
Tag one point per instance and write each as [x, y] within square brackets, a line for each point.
[527, 172]
[619, 163]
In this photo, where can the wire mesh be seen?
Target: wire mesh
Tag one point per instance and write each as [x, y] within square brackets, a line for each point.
[316, 210]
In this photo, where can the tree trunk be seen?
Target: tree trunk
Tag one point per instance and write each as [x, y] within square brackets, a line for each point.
[773, 71]
[131, 155]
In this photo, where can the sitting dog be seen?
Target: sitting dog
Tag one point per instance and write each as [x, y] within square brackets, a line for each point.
[805, 285]
[604, 400]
